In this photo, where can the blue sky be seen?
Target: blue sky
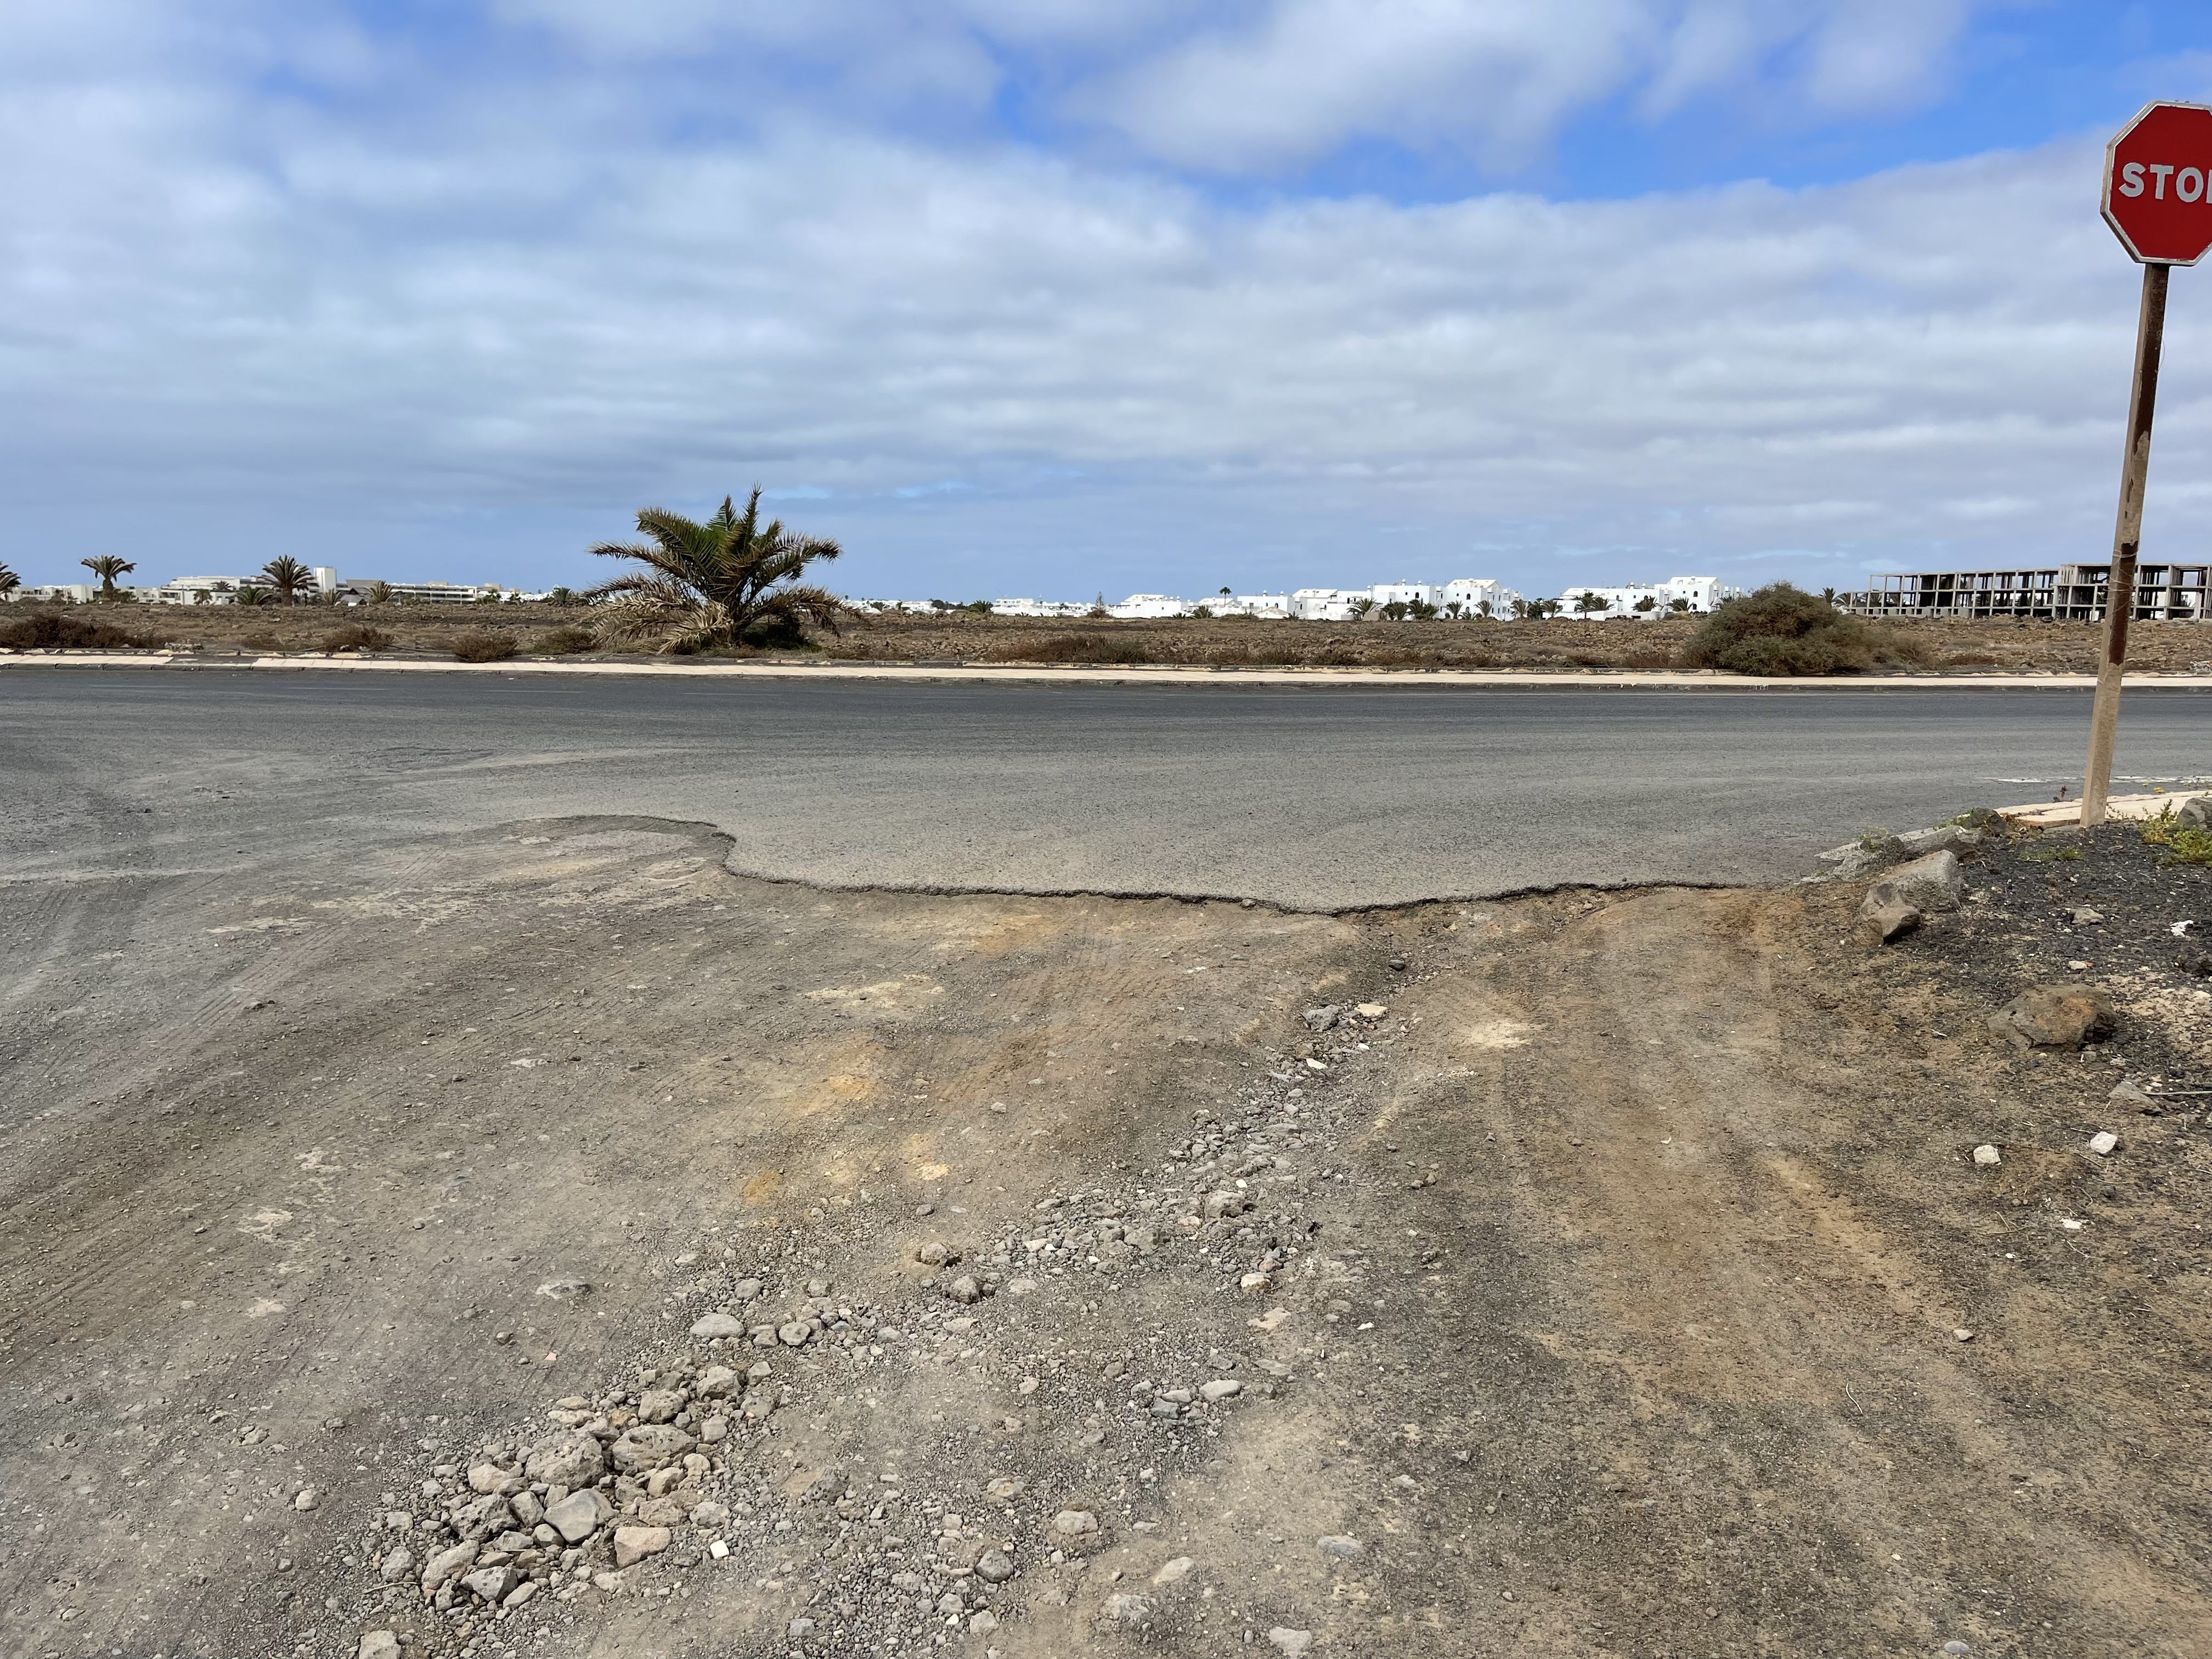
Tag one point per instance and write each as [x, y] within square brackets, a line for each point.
[1060, 297]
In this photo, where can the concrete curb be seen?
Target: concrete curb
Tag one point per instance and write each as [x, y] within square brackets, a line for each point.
[1595, 679]
[2049, 813]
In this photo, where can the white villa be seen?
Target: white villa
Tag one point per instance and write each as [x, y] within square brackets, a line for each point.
[1676, 596]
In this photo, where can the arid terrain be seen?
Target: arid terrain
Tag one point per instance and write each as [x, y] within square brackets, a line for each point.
[1559, 643]
[1589, 1274]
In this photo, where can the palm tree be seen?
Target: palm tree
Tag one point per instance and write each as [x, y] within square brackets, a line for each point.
[1395, 610]
[1422, 610]
[1586, 603]
[708, 585]
[1361, 607]
[107, 567]
[1453, 609]
[1484, 607]
[1679, 607]
[9, 581]
[286, 577]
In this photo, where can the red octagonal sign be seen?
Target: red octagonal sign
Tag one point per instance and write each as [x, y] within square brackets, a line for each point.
[2157, 184]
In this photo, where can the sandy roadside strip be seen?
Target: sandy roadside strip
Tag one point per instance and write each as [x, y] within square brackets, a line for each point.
[1599, 679]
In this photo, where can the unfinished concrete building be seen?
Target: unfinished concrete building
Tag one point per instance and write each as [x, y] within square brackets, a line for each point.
[2066, 592]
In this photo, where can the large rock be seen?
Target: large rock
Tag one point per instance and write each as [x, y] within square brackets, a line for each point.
[1934, 883]
[633, 1544]
[483, 1518]
[567, 1460]
[445, 1565]
[1885, 917]
[378, 1645]
[660, 1405]
[491, 1583]
[723, 1325]
[2195, 813]
[2055, 1017]
[717, 1381]
[579, 1514]
[649, 1445]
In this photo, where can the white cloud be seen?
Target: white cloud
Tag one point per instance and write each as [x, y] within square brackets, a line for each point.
[470, 336]
[1260, 85]
[1501, 76]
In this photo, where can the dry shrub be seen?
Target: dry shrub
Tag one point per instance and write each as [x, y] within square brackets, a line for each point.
[481, 645]
[356, 637]
[564, 642]
[1781, 630]
[48, 632]
[1071, 647]
[1970, 659]
[1647, 659]
[261, 640]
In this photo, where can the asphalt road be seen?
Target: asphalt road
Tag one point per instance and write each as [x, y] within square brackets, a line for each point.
[1305, 797]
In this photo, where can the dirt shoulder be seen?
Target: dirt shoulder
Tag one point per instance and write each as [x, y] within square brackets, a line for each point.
[1590, 1285]
[1944, 647]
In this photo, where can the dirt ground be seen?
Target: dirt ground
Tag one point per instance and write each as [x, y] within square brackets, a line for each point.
[1947, 646]
[1619, 1282]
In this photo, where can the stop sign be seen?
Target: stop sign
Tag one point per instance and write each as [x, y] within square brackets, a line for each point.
[2157, 184]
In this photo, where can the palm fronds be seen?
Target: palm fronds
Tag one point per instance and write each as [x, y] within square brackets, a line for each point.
[708, 585]
[286, 577]
[107, 567]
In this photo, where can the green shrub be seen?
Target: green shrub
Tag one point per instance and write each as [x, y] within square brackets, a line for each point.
[2184, 843]
[564, 642]
[480, 645]
[356, 637]
[48, 632]
[1780, 630]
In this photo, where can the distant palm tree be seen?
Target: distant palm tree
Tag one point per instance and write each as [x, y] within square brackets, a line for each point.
[1484, 607]
[1361, 607]
[1453, 609]
[287, 577]
[249, 594]
[1587, 602]
[1422, 610]
[107, 567]
[1679, 607]
[1395, 610]
[708, 585]
[9, 581]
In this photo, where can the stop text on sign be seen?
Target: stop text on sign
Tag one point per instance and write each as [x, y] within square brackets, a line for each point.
[2158, 184]
[2188, 182]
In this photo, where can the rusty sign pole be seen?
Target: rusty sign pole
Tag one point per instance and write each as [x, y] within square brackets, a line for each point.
[2127, 541]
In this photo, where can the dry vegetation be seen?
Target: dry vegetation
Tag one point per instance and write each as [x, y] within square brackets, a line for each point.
[540, 630]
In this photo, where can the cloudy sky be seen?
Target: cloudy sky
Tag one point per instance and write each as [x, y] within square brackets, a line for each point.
[1062, 297]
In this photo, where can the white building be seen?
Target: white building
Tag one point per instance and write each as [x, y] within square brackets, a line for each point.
[1039, 608]
[1149, 605]
[1405, 594]
[1481, 596]
[1694, 595]
[1326, 603]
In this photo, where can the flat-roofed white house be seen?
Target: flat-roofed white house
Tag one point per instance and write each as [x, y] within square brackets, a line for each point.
[1326, 603]
[1648, 601]
[1479, 596]
[1149, 605]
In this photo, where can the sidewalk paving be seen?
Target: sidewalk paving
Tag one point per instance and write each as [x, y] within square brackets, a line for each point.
[1620, 679]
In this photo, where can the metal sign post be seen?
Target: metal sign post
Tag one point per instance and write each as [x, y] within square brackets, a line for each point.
[2158, 200]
